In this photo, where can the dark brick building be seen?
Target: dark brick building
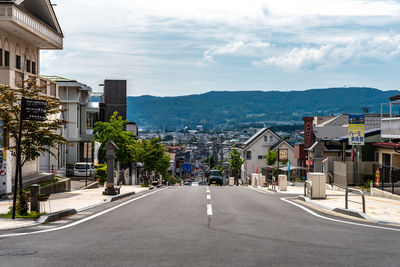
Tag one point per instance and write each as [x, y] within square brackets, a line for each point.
[114, 99]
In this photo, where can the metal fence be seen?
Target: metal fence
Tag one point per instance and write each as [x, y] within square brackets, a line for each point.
[386, 178]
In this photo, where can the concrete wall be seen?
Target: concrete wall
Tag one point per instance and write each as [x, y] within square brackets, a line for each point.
[343, 173]
[58, 187]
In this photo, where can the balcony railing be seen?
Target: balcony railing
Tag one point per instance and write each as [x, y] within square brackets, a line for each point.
[10, 12]
[390, 128]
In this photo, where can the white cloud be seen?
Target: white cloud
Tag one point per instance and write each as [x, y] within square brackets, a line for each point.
[367, 51]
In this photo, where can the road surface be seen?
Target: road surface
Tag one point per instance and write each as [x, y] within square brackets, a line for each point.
[182, 226]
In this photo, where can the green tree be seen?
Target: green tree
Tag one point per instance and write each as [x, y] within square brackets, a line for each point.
[153, 155]
[114, 131]
[271, 157]
[38, 137]
[235, 164]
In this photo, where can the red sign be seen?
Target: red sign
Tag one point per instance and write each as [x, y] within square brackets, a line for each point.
[308, 131]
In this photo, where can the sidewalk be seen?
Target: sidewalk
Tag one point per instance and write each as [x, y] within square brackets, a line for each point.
[377, 209]
[78, 200]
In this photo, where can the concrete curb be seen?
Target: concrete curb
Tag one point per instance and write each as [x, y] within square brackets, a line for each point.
[56, 215]
[117, 197]
[353, 213]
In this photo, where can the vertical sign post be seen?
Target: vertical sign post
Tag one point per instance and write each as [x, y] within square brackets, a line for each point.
[34, 110]
[356, 130]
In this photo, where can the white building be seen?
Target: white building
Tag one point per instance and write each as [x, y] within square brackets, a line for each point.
[81, 114]
[256, 149]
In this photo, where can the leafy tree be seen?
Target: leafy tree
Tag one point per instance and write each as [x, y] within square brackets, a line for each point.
[38, 137]
[235, 164]
[114, 131]
[153, 155]
[271, 157]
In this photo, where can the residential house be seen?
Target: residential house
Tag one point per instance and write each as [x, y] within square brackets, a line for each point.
[256, 148]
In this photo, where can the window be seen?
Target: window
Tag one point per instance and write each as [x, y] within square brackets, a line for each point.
[1, 57]
[266, 139]
[6, 58]
[28, 66]
[33, 67]
[248, 154]
[271, 139]
[18, 62]
[260, 156]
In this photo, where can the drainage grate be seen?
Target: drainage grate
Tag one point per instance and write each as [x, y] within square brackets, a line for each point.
[17, 252]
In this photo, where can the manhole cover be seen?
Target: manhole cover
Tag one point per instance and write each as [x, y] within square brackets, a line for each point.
[17, 252]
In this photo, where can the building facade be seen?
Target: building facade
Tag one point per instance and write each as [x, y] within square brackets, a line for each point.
[26, 28]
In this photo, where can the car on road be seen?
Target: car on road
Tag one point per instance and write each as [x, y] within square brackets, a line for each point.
[187, 183]
[215, 178]
[195, 184]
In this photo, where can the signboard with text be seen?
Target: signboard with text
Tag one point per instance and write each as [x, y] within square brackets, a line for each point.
[282, 155]
[308, 131]
[34, 110]
[356, 129]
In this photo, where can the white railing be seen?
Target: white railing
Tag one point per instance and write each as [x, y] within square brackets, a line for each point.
[390, 128]
[34, 24]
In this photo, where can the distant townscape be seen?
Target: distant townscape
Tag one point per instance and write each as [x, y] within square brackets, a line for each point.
[236, 110]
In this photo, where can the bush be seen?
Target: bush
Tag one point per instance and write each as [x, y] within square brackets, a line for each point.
[145, 185]
[99, 166]
[367, 176]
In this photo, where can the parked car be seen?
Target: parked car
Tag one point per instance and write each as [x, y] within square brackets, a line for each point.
[195, 184]
[187, 183]
[84, 169]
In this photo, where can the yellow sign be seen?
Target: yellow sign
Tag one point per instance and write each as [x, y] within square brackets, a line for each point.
[356, 134]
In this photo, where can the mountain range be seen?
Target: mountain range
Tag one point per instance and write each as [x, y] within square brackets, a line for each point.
[238, 109]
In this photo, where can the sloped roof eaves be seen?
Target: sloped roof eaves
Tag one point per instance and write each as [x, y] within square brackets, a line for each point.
[257, 135]
[372, 120]
[280, 142]
[57, 78]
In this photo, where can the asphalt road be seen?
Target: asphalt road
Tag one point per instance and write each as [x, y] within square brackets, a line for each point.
[171, 228]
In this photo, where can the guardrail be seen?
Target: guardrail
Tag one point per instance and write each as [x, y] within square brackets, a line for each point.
[349, 189]
[307, 182]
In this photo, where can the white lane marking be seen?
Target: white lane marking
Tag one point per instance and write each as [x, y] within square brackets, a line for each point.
[208, 191]
[340, 221]
[209, 210]
[84, 219]
[207, 188]
[208, 197]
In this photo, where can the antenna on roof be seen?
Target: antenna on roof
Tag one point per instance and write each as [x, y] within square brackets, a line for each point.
[365, 110]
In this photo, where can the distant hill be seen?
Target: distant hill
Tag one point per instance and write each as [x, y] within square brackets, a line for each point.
[245, 108]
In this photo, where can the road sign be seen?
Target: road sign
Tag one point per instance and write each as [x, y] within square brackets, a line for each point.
[34, 110]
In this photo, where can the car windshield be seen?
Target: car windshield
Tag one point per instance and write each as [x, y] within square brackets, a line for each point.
[215, 173]
[82, 166]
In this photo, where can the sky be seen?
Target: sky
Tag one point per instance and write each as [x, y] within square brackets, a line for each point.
[181, 47]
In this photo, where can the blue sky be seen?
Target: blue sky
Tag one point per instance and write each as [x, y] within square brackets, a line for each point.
[181, 47]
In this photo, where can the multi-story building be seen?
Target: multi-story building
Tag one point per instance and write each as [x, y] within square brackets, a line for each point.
[81, 115]
[114, 99]
[26, 28]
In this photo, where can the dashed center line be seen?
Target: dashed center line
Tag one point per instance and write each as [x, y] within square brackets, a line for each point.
[209, 210]
[208, 191]
[208, 197]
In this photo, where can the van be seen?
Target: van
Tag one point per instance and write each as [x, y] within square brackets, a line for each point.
[84, 169]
